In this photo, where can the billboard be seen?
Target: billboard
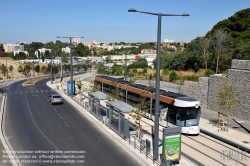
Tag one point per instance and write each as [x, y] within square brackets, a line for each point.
[172, 147]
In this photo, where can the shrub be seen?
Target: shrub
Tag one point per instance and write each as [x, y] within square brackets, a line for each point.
[208, 72]
[165, 72]
[173, 76]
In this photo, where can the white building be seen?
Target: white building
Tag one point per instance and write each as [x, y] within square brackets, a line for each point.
[42, 51]
[168, 41]
[66, 49]
[15, 48]
[76, 40]
[8, 47]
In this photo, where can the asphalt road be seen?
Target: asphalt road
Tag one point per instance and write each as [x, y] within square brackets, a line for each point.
[33, 125]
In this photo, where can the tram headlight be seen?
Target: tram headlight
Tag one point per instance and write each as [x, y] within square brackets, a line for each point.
[196, 106]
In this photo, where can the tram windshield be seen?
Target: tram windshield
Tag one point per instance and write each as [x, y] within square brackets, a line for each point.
[187, 116]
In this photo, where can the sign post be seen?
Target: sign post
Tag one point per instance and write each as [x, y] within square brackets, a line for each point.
[171, 151]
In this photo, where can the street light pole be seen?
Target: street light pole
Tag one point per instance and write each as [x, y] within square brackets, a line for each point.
[6, 66]
[71, 65]
[51, 65]
[157, 82]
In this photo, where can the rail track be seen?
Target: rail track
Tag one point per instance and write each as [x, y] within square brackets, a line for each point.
[209, 151]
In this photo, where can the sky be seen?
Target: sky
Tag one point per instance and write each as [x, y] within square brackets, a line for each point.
[109, 20]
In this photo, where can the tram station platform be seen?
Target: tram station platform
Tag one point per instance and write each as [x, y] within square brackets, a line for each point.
[232, 134]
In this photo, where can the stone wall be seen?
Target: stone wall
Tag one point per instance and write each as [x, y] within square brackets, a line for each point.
[215, 85]
[207, 89]
[197, 90]
[239, 77]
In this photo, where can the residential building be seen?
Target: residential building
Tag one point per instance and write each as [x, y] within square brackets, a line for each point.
[42, 51]
[168, 41]
[76, 40]
[15, 48]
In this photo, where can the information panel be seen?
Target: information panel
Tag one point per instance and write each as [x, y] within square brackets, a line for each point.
[69, 87]
[172, 147]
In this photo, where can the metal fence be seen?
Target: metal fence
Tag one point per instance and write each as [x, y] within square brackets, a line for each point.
[119, 125]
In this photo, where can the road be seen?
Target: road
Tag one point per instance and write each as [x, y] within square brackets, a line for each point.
[32, 125]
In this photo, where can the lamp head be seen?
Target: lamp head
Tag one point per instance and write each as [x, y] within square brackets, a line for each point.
[185, 14]
[132, 10]
[58, 37]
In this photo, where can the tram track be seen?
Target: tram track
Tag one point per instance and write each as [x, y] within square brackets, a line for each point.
[209, 151]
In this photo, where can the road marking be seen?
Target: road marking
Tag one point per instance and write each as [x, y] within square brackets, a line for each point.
[26, 92]
[34, 122]
[59, 115]
[31, 91]
[55, 109]
[66, 124]
[41, 90]
[21, 92]
[46, 90]
[37, 91]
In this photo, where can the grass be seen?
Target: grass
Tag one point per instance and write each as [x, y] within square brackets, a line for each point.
[32, 81]
[189, 75]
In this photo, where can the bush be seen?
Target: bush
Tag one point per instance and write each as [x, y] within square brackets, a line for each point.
[190, 78]
[208, 73]
[165, 72]
[173, 76]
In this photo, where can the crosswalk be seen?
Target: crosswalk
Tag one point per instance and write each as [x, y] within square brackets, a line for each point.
[28, 92]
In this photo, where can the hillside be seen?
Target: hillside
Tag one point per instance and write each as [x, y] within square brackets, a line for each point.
[237, 25]
[15, 65]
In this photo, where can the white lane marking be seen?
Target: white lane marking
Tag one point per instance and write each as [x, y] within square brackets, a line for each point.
[41, 90]
[21, 92]
[26, 92]
[37, 126]
[37, 91]
[55, 109]
[59, 115]
[31, 91]
[46, 90]
[66, 124]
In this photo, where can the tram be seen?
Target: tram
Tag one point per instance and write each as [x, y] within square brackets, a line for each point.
[175, 108]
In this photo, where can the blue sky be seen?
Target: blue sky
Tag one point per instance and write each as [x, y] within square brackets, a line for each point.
[109, 20]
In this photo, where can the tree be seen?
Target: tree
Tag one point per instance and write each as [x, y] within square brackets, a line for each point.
[44, 70]
[37, 69]
[81, 50]
[227, 98]
[142, 107]
[79, 85]
[220, 45]
[3, 69]
[26, 70]
[11, 70]
[205, 43]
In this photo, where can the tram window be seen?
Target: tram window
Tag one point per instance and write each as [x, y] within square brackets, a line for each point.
[171, 116]
[192, 113]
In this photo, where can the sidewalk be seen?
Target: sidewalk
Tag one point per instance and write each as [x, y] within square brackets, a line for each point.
[237, 137]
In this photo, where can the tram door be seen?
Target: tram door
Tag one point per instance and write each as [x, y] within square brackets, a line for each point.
[171, 116]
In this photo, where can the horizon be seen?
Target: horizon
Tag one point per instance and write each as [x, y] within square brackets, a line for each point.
[43, 21]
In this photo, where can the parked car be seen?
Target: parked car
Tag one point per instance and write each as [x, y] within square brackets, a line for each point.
[55, 99]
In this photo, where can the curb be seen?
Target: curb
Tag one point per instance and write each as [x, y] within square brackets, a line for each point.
[2, 137]
[230, 141]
